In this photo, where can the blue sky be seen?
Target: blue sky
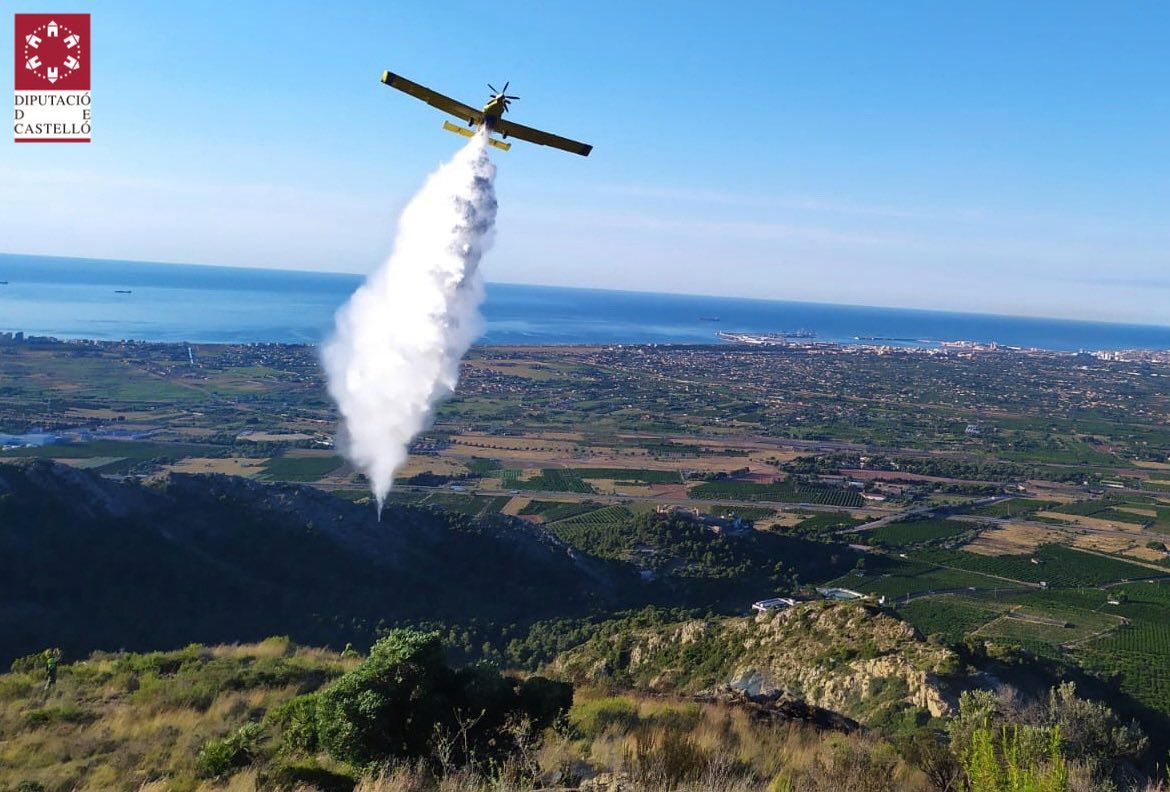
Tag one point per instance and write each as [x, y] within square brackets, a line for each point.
[993, 156]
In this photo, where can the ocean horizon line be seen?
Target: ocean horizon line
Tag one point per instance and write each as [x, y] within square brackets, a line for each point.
[358, 277]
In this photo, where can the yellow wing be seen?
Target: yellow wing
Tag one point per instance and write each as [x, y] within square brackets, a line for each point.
[433, 98]
[511, 129]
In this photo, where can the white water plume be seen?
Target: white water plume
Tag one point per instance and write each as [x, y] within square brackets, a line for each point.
[394, 354]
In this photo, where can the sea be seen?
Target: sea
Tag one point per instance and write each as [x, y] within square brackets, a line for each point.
[124, 300]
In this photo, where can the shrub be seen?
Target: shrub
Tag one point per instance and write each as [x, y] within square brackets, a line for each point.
[219, 757]
[405, 702]
[297, 719]
[391, 705]
[545, 700]
[1014, 759]
[29, 664]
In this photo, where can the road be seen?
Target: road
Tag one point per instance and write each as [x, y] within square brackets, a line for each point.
[617, 499]
[923, 512]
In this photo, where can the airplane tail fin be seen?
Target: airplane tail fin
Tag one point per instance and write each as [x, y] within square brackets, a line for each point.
[501, 145]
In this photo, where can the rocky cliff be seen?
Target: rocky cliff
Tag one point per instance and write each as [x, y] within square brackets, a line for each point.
[850, 658]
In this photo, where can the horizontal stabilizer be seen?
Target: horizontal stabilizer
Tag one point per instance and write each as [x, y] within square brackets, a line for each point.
[458, 130]
[499, 144]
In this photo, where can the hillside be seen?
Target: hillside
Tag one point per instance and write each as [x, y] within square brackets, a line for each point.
[245, 717]
[89, 563]
[841, 656]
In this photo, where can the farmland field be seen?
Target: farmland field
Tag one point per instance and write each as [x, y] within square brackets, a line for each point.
[827, 521]
[552, 511]
[605, 436]
[950, 616]
[603, 516]
[1015, 507]
[1139, 652]
[627, 474]
[900, 534]
[1056, 565]
[781, 492]
[552, 480]
[752, 513]
[471, 505]
[1049, 627]
[300, 468]
[128, 449]
[480, 466]
[899, 578]
[595, 530]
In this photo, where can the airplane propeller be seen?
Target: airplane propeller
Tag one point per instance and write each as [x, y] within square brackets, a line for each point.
[502, 94]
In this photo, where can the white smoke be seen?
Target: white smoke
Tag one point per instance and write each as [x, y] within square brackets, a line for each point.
[394, 354]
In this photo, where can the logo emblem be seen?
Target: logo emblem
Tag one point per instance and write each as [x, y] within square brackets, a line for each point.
[52, 78]
[54, 52]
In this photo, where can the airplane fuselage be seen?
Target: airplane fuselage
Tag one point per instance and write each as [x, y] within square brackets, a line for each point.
[493, 110]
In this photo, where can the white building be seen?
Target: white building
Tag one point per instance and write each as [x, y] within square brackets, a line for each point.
[775, 603]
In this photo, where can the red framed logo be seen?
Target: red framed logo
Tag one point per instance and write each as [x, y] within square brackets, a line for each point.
[52, 78]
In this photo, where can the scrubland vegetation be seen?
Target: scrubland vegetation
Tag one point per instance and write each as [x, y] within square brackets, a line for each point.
[277, 716]
[1011, 508]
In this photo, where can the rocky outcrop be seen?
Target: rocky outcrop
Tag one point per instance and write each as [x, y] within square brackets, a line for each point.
[846, 657]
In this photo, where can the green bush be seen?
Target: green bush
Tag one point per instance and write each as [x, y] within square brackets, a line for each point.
[219, 757]
[1014, 759]
[391, 705]
[545, 700]
[405, 702]
[297, 719]
[29, 664]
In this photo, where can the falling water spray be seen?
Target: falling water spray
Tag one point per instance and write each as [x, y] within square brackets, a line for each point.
[394, 354]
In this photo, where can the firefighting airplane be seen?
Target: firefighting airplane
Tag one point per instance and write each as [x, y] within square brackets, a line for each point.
[490, 117]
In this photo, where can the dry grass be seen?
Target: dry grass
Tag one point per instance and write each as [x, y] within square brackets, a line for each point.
[612, 487]
[273, 437]
[231, 466]
[513, 507]
[114, 722]
[720, 747]
[439, 465]
[1131, 546]
[1090, 522]
[1138, 511]
[1015, 539]
[512, 443]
